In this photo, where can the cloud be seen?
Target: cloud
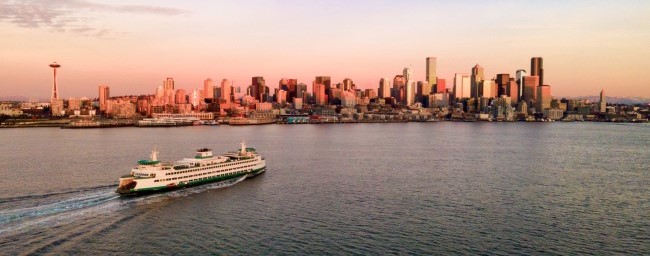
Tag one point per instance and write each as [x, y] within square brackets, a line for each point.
[70, 15]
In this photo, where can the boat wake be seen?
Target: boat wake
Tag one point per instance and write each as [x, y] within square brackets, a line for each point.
[28, 213]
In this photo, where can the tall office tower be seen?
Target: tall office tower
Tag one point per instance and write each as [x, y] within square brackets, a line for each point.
[602, 106]
[180, 97]
[281, 96]
[477, 77]
[409, 90]
[519, 74]
[104, 94]
[432, 78]
[398, 87]
[226, 91]
[289, 85]
[301, 91]
[462, 86]
[487, 89]
[502, 84]
[441, 85]
[258, 89]
[537, 68]
[530, 84]
[292, 85]
[283, 84]
[55, 89]
[195, 98]
[543, 98]
[327, 82]
[168, 91]
[513, 91]
[348, 84]
[384, 88]
[208, 91]
[320, 98]
[419, 90]
[370, 93]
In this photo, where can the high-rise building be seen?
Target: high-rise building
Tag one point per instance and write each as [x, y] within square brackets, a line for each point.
[226, 91]
[348, 84]
[320, 98]
[530, 84]
[602, 106]
[519, 74]
[462, 86]
[537, 68]
[441, 85]
[104, 94]
[195, 99]
[281, 97]
[55, 89]
[301, 91]
[410, 87]
[502, 81]
[543, 98]
[432, 78]
[208, 91]
[327, 82]
[371, 93]
[384, 88]
[398, 87]
[477, 77]
[168, 91]
[259, 90]
[487, 89]
[513, 91]
[180, 97]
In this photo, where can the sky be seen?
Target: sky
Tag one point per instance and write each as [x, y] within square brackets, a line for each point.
[132, 46]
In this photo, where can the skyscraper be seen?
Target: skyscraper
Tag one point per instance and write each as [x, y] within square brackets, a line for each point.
[537, 68]
[441, 85]
[348, 84]
[259, 90]
[398, 88]
[180, 97]
[55, 89]
[519, 74]
[320, 98]
[226, 91]
[432, 78]
[462, 86]
[487, 89]
[502, 84]
[208, 91]
[477, 77]
[602, 106]
[327, 82]
[530, 84]
[410, 87]
[543, 98]
[168, 91]
[104, 94]
[384, 88]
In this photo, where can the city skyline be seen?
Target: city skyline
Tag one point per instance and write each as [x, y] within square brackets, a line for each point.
[132, 47]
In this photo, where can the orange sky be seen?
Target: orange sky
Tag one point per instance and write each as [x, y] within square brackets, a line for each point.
[132, 47]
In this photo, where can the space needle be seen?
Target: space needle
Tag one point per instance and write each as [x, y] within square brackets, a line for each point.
[55, 91]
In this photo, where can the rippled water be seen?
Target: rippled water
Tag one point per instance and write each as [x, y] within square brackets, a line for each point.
[415, 188]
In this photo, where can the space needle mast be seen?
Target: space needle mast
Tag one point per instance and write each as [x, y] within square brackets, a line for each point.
[55, 91]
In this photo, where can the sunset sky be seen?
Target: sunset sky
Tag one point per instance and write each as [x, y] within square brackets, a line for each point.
[132, 46]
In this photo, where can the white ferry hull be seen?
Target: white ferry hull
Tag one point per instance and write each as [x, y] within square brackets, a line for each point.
[153, 176]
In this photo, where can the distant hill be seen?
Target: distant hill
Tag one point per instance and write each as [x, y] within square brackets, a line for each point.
[616, 100]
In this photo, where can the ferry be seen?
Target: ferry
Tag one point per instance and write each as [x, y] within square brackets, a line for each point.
[156, 176]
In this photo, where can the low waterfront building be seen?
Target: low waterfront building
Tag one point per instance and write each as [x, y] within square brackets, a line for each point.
[198, 115]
